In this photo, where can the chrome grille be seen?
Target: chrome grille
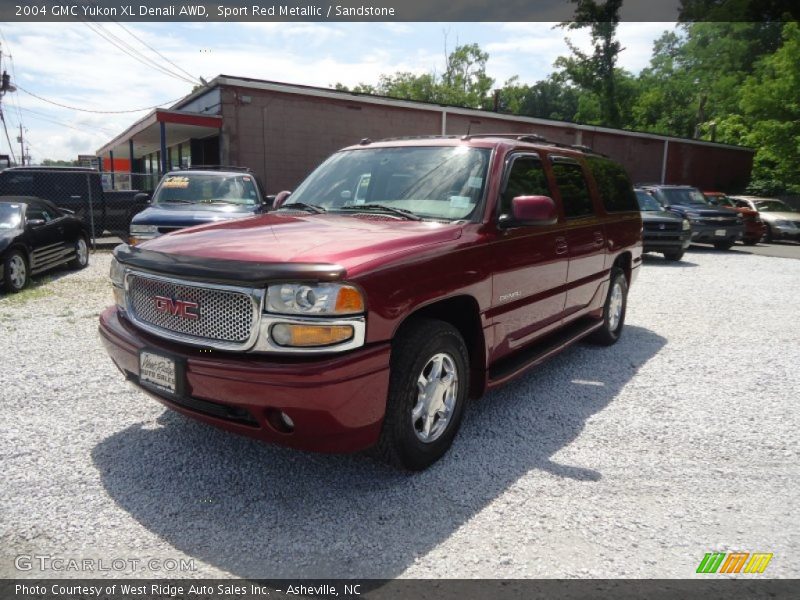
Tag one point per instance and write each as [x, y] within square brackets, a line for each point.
[224, 315]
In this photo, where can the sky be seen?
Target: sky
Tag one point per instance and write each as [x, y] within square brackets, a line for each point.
[76, 64]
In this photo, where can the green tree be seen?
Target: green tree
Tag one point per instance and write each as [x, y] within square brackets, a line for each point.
[551, 98]
[596, 73]
[463, 83]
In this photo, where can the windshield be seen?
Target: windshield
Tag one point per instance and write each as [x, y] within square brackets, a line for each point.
[684, 196]
[719, 200]
[773, 206]
[443, 183]
[647, 203]
[207, 188]
[10, 215]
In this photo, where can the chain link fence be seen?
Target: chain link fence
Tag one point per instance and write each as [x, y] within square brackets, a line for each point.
[105, 202]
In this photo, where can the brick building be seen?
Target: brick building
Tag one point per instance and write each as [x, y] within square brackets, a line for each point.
[282, 131]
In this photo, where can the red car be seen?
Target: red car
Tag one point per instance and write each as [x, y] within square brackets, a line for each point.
[754, 227]
[399, 280]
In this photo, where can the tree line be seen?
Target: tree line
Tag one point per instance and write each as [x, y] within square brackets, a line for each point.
[735, 82]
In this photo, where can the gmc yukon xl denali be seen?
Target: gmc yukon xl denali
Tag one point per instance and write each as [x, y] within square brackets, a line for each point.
[400, 280]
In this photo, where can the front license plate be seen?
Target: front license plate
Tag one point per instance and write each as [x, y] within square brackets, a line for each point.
[720, 233]
[158, 371]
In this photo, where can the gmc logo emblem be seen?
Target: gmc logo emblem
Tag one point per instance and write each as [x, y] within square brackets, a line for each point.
[180, 308]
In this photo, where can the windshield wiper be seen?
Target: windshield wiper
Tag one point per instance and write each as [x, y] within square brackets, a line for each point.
[314, 208]
[400, 212]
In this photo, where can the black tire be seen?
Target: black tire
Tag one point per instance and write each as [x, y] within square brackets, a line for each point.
[750, 242]
[724, 245]
[673, 256]
[81, 260]
[413, 352]
[768, 234]
[608, 334]
[16, 273]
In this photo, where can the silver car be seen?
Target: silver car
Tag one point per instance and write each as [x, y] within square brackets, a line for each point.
[782, 221]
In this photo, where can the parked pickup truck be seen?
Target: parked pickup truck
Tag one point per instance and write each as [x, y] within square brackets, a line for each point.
[400, 280]
[77, 189]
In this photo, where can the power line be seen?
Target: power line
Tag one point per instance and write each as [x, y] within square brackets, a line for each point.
[13, 71]
[99, 112]
[41, 117]
[134, 53]
[156, 51]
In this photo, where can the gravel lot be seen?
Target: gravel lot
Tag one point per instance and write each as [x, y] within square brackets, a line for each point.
[630, 461]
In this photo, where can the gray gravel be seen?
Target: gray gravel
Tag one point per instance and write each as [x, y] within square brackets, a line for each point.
[630, 461]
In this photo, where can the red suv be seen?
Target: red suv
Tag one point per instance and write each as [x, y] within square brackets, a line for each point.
[400, 280]
[754, 227]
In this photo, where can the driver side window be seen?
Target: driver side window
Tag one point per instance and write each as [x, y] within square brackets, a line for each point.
[36, 212]
[526, 178]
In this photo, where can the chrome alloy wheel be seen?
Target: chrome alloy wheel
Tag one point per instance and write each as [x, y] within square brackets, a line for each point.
[17, 271]
[437, 390]
[615, 304]
[82, 252]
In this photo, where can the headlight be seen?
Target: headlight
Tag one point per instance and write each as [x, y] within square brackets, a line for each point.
[314, 299]
[693, 217]
[686, 225]
[117, 273]
[143, 229]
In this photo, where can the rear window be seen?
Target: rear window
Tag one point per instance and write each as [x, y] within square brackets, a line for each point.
[572, 185]
[613, 184]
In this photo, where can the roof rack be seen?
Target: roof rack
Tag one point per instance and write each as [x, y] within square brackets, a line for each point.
[213, 168]
[522, 137]
[411, 137]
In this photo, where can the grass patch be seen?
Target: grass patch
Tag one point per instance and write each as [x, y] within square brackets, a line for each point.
[36, 290]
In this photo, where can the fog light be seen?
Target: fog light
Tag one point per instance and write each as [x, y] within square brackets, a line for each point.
[309, 336]
[279, 420]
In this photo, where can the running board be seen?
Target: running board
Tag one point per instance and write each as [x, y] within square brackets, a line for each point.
[510, 367]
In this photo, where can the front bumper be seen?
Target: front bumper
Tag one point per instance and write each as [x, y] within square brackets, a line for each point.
[708, 234]
[337, 403]
[666, 241]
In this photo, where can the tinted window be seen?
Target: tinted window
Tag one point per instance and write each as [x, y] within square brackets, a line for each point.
[35, 211]
[574, 191]
[17, 184]
[648, 203]
[526, 178]
[613, 183]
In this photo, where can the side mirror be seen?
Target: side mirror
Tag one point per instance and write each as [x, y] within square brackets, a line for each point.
[269, 201]
[530, 210]
[280, 199]
[36, 222]
[141, 198]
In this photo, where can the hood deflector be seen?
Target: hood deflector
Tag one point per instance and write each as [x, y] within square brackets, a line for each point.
[232, 272]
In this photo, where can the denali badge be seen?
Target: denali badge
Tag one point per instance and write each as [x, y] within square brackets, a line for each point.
[662, 226]
[179, 308]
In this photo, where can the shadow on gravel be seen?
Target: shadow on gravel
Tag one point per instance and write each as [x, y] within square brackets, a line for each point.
[259, 511]
[660, 261]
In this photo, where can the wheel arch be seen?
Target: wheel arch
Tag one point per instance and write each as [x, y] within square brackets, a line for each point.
[625, 262]
[463, 313]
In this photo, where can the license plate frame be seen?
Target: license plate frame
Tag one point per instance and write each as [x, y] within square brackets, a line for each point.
[164, 374]
[721, 232]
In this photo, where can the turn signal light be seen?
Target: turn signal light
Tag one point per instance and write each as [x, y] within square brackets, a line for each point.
[306, 336]
[349, 300]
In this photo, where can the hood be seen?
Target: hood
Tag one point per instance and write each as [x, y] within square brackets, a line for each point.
[650, 216]
[187, 215]
[7, 236]
[331, 239]
[779, 216]
[704, 211]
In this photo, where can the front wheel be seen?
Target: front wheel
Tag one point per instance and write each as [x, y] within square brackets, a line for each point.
[15, 271]
[673, 256]
[723, 245]
[768, 234]
[428, 388]
[613, 310]
[81, 260]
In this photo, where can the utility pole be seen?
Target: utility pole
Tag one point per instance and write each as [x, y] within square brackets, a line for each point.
[21, 146]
